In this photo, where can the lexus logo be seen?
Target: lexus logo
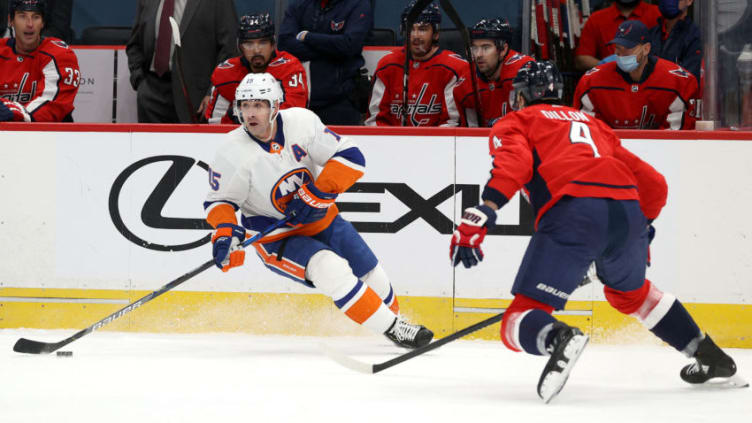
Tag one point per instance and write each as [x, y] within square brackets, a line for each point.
[418, 207]
[151, 213]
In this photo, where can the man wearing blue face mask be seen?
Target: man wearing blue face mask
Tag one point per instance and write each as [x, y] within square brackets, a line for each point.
[637, 90]
[676, 37]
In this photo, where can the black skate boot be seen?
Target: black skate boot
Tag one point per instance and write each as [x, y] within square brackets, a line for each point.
[407, 335]
[711, 363]
[565, 348]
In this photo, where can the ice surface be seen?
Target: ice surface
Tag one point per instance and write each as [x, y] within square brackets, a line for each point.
[136, 377]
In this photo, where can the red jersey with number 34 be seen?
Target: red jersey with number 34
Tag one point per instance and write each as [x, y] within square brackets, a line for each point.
[552, 151]
[45, 81]
[285, 67]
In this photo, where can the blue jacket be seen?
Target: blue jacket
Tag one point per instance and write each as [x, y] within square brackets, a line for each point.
[333, 44]
[683, 45]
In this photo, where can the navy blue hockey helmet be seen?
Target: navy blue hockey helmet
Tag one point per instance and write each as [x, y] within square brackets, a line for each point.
[493, 28]
[431, 14]
[27, 6]
[537, 81]
[257, 25]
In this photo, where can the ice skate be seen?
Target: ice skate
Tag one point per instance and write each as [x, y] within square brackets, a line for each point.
[565, 348]
[712, 367]
[408, 335]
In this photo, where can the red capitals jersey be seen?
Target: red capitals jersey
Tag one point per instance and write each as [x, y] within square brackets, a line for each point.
[663, 99]
[430, 90]
[285, 67]
[553, 151]
[494, 95]
[45, 82]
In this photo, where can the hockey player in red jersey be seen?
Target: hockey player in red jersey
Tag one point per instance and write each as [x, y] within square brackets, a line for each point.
[594, 201]
[38, 76]
[258, 47]
[432, 76]
[638, 91]
[497, 65]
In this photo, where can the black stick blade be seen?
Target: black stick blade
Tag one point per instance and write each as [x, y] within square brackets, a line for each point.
[28, 346]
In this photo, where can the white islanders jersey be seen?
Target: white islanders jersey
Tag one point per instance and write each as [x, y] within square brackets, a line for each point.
[260, 178]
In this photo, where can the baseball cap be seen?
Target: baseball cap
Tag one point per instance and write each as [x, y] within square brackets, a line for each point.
[630, 34]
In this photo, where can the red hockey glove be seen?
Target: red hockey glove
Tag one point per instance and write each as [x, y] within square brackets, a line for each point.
[226, 240]
[469, 235]
[13, 111]
[309, 204]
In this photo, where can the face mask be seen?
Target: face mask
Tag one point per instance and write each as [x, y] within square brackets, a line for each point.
[669, 8]
[627, 3]
[627, 63]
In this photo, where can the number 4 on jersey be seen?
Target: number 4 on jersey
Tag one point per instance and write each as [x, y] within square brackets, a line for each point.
[580, 133]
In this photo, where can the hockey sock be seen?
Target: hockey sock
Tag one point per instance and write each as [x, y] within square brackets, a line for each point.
[527, 325]
[379, 282]
[365, 307]
[332, 275]
[661, 313]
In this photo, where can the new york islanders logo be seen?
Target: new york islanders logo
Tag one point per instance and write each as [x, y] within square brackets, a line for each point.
[336, 26]
[287, 185]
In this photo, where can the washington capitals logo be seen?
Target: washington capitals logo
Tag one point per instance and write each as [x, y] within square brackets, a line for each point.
[433, 107]
[279, 62]
[516, 58]
[680, 72]
[225, 65]
[287, 185]
[624, 30]
[336, 26]
[18, 94]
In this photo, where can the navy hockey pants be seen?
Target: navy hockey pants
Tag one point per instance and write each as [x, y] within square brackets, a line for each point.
[574, 233]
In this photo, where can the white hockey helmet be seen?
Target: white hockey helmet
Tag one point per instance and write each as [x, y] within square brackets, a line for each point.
[259, 86]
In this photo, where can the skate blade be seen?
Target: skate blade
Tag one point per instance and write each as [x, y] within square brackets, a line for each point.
[733, 382]
[554, 382]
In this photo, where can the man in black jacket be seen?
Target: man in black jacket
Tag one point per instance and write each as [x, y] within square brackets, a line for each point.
[329, 35]
[207, 30]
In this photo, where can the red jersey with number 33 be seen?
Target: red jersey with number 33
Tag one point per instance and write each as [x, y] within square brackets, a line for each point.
[285, 67]
[45, 81]
[552, 151]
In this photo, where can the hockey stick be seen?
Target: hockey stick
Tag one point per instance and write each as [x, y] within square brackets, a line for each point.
[362, 367]
[449, 9]
[412, 15]
[28, 346]
[179, 65]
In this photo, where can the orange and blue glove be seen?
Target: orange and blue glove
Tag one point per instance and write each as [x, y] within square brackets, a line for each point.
[468, 236]
[225, 249]
[309, 204]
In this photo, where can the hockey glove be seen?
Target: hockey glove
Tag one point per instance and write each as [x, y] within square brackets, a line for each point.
[309, 204]
[469, 235]
[11, 111]
[225, 249]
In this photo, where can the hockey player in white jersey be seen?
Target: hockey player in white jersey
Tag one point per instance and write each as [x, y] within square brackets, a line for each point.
[287, 163]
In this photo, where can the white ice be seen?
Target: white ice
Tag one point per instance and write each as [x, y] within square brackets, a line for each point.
[135, 377]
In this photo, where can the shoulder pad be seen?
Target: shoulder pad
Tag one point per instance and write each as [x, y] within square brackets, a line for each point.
[457, 56]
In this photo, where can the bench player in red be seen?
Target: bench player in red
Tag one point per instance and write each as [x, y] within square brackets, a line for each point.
[259, 54]
[497, 65]
[39, 76]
